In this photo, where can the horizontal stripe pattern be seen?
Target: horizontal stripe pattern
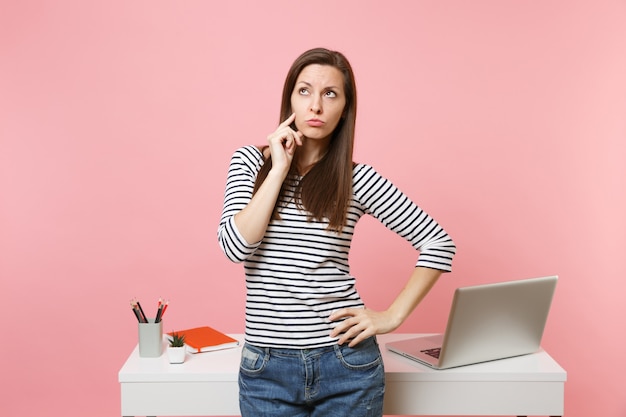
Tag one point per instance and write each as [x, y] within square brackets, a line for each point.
[299, 272]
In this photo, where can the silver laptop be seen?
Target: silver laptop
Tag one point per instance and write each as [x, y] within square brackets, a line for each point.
[486, 322]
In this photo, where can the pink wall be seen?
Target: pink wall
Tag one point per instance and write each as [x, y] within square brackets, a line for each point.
[504, 119]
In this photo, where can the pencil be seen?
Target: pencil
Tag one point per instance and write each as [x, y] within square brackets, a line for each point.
[136, 312]
[159, 313]
[164, 308]
[143, 315]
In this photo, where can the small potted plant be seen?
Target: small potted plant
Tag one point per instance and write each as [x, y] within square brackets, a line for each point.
[176, 348]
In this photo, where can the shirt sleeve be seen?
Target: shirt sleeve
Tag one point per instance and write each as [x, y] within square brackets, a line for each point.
[244, 166]
[384, 201]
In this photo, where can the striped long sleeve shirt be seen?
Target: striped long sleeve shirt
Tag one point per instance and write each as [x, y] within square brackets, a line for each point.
[298, 274]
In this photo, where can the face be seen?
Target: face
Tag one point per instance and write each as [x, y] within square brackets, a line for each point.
[318, 100]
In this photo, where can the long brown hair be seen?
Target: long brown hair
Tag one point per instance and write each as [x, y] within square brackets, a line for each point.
[325, 191]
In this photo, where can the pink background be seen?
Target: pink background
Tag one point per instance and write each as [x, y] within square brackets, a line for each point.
[503, 119]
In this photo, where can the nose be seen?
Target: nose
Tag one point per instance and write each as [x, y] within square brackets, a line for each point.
[316, 105]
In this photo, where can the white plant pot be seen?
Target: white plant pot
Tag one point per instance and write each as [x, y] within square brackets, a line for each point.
[176, 354]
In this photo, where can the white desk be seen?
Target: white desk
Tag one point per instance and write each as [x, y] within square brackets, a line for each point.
[206, 385]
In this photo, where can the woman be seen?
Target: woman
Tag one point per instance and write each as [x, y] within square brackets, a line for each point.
[289, 213]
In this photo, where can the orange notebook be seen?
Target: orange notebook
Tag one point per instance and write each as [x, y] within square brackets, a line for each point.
[206, 339]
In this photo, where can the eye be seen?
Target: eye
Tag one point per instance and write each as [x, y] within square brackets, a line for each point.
[303, 91]
[330, 94]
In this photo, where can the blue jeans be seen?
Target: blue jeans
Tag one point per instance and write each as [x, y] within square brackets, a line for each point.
[333, 381]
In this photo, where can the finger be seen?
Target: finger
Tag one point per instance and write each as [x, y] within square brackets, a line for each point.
[358, 339]
[353, 336]
[347, 329]
[339, 314]
[341, 328]
[282, 137]
[291, 140]
[344, 314]
[288, 121]
[299, 136]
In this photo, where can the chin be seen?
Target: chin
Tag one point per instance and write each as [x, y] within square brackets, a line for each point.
[315, 134]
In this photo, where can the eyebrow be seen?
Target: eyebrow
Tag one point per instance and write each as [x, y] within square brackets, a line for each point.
[308, 84]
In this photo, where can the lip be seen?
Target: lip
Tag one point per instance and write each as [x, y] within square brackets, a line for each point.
[315, 122]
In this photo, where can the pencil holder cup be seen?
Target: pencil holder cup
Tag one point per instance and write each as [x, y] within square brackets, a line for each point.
[150, 339]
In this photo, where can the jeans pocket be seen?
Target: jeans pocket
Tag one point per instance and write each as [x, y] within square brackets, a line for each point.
[364, 356]
[253, 360]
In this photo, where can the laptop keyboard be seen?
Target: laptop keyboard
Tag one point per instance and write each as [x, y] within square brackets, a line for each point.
[432, 352]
